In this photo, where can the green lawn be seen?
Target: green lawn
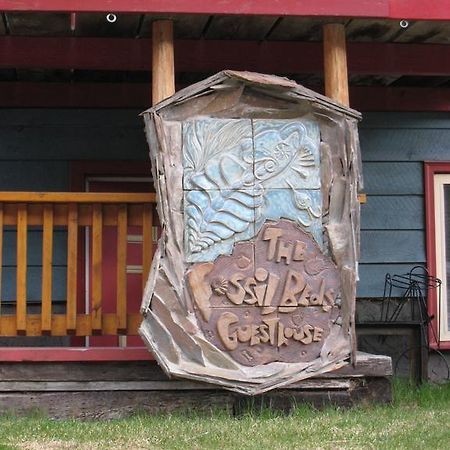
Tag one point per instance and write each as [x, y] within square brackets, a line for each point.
[418, 419]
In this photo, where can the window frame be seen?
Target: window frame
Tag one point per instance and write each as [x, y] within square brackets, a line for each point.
[431, 169]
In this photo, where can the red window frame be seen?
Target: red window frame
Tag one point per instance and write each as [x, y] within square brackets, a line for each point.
[432, 168]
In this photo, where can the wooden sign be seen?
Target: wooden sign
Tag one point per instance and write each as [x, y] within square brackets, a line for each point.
[253, 284]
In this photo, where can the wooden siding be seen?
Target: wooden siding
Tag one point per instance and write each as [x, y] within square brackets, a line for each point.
[36, 147]
[394, 146]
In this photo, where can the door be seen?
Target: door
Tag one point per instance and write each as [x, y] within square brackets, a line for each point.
[135, 282]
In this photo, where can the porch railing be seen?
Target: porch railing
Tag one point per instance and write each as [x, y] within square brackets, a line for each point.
[73, 212]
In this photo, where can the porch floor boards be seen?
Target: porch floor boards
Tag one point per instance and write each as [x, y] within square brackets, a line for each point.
[108, 390]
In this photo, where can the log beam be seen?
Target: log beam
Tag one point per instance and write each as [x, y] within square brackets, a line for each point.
[335, 63]
[163, 65]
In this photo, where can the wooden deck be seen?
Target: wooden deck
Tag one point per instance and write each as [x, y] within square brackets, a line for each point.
[112, 390]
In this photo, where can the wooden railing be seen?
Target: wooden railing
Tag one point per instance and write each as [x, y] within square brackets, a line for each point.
[21, 211]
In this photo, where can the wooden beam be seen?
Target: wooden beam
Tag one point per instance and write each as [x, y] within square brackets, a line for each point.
[163, 65]
[76, 197]
[335, 63]
[209, 56]
[388, 9]
[134, 95]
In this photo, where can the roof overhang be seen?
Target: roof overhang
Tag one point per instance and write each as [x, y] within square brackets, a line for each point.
[386, 9]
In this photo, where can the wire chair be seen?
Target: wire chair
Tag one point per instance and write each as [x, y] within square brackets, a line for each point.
[412, 289]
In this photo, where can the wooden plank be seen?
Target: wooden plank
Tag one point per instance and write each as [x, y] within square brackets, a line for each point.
[409, 121]
[360, 30]
[371, 283]
[335, 63]
[133, 95]
[169, 385]
[34, 244]
[77, 197]
[77, 370]
[105, 405]
[163, 66]
[394, 9]
[84, 214]
[72, 263]
[86, 355]
[392, 246]
[402, 120]
[81, 371]
[47, 258]
[246, 28]
[404, 144]
[121, 301]
[34, 288]
[393, 213]
[200, 56]
[100, 119]
[97, 268]
[147, 242]
[393, 178]
[21, 278]
[31, 175]
[60, 325]
[107, 142]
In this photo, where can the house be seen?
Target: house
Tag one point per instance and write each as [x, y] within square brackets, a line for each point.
[75, 76]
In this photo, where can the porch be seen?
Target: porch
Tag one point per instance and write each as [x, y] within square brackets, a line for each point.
[74, 265]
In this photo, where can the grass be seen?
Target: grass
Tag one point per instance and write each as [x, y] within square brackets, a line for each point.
[419, 418]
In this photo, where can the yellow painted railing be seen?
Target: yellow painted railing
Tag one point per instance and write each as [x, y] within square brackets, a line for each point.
[74, 212]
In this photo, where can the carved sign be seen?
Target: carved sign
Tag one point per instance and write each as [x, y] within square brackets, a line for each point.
[253, 283]
[273, 299]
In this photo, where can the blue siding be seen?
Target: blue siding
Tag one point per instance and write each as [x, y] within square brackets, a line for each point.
[394, 147]
[36, 148]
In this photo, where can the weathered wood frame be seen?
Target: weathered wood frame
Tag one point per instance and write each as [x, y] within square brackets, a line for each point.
[170, 327]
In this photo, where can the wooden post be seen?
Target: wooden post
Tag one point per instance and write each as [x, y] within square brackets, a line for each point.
[335, 63]
[163, 68]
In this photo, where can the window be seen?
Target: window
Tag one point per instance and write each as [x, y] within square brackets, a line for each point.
[437, 190]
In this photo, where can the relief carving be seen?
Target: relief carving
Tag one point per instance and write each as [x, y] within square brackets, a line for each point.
[239, 173]
[273, 309]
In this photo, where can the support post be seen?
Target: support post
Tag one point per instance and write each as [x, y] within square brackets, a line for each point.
[335, 63]
[163, 67]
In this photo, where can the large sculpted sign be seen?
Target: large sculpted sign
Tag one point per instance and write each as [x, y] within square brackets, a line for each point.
[271, 300]
[253, 283]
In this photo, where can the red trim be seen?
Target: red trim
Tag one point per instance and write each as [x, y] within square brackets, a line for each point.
[54, 354]
[123, 95]
[430, 170]
[79, 170]
[393, 9]
[365, 98]
[214, 55]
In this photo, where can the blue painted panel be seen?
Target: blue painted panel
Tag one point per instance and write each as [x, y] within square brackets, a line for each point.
[371, 276]
[393, 178]
[34, 284]
[393, 246]
[34, 248]
[405, 144]
[71, 117]
[66, 142]
[393, 213]
[408, 120]
[34, 175]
